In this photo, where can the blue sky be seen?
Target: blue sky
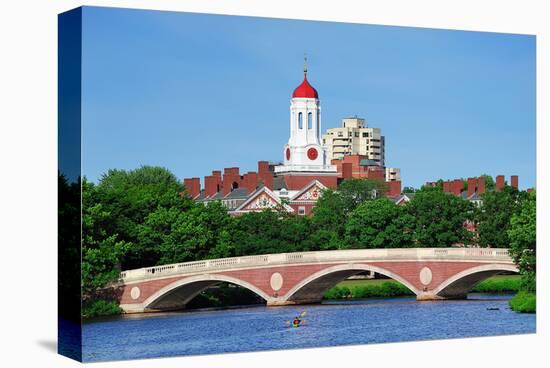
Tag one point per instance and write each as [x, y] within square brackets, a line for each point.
[196, 93]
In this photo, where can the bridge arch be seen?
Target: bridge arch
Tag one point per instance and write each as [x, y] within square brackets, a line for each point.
[312, 288]
[177, 294]
[458, 285]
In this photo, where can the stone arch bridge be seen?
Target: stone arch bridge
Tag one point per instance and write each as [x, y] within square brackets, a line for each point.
[302, 278]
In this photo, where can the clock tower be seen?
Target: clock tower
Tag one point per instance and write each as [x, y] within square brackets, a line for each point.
[304, 152]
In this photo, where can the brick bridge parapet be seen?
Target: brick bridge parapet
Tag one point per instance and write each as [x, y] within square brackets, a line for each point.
[299, 278]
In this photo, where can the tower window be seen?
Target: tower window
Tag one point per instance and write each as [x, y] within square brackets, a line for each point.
[318, 122]
[300, 122]
[309, 120]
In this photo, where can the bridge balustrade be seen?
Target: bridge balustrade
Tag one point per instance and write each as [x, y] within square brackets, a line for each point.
[348, 255]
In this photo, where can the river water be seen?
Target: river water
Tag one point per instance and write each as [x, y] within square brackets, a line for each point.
[329, 324]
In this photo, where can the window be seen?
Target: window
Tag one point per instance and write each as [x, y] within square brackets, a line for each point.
[365, 135]
[357, 134]
[309, 120]
[300, 122]
[340, 134]
[350, 134]
[318, 122]
[324, 142]
[301, 210]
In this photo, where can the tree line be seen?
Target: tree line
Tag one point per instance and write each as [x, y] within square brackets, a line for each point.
[141, 218]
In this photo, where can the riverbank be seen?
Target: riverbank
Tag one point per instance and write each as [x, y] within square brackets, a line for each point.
[384, 288]
[524, 302]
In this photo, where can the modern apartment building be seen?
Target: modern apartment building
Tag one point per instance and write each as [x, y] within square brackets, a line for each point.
[354, 137]
[393, 174]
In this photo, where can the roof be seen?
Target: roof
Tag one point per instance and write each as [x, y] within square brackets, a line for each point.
[279, 183]
[475, 197]
[401, 197]
[306, 188]
[242, 207]
[368, 162]
[239, 193]
[305, 90]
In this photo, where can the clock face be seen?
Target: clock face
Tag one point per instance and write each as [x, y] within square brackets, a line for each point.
[312, 154]
[288, 153]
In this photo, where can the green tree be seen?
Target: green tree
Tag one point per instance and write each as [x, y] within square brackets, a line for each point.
[409, 190]
[69, 248]
[379, 224]
[333, 208]
[258, 233]
[354, 192]
[439, 218]
[328, 221]
[101, 252]
[494, 216]
[178, 235]
[489, 182]
[130, 197]
[523, 240]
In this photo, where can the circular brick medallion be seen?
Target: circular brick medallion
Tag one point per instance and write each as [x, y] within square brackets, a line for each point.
[276, 281]
[425, 276]
[135, 292]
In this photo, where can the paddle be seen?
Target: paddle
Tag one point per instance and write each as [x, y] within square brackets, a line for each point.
[300, 316]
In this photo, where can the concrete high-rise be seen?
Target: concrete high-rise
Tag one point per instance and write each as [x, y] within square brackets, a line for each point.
[354, 137]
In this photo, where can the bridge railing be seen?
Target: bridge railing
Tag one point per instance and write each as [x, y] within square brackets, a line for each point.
[349, 255]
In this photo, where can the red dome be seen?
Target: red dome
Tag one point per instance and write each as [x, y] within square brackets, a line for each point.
[305, 90]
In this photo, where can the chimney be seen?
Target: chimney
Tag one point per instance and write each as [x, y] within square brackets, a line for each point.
[447, 186]
[500, 183]
[394, 188]
[210, 186]
[264, 174]
[458, 185]
[472, 183]
[231, 179]
[192, 187]
[347, 170]
[250, 181]
[514, 181]
[263, 167]
[480, 185]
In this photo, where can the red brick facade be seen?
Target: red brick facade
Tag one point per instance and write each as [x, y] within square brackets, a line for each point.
[297, 182]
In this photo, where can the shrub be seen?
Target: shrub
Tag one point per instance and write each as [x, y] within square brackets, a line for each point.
[338, 292]
[524, 302]
[100, 308]
[498, 285]
[384, 290]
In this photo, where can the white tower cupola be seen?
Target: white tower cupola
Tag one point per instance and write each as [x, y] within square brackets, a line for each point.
[304, 151]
